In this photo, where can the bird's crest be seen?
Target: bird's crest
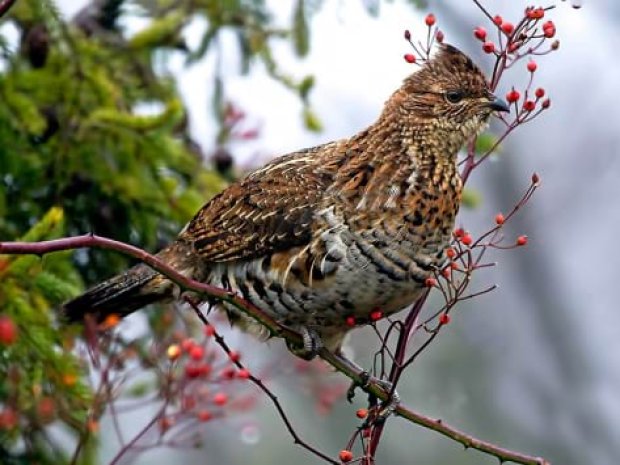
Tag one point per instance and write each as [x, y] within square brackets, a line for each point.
[448, 64]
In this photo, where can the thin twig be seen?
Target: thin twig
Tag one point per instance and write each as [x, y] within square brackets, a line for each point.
[274, 399]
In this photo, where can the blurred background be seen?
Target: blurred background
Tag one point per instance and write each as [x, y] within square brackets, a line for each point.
[533, 366]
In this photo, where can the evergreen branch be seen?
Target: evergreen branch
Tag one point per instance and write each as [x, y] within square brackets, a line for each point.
[341, 364]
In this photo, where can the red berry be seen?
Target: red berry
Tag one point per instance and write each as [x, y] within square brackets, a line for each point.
[204, 415]
[430, 282]
[234, 356]
[446, 272]
[8, 418]
[439, 36]
[529, 105]
[407, 34]
[187, 344]
[531, 66]
[208, 330]
[46, 409]
[521, 240]
[535, 13]
[535, 178]
[243, 373]
[220, 399]
[166, 423]
[192, 370]
[467, 239]
[444, 319]
[110, 321]
[498, 20]
[8, 331]
[508, 28]
[197, 352]
[513, 96]
[454, 266]
[546, 103]
[345, 455]
[460, 232]
[480, 33]
[361, 413]
[499, 218]
[204, 369]
[350, 321]
[540, 92]
[228, 373]
[450, 253]
[409, 58]
[549, 29]
[376, 315]
[430, 19]
[488, 47]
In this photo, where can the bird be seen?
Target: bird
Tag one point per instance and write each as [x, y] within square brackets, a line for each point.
[321, 238]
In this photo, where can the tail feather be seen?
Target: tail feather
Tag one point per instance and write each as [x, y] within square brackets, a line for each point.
[130, 291]
[119, 295]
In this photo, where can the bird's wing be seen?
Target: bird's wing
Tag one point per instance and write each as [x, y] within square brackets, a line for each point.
[270, 210]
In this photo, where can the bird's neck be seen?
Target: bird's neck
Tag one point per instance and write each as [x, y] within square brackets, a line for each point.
[393, 159]
[427, 148]
[432, 150]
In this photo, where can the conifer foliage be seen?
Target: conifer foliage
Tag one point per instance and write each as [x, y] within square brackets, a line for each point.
[94, 138]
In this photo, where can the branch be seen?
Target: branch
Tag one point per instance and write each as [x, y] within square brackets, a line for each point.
[341, 364]
[5, 6]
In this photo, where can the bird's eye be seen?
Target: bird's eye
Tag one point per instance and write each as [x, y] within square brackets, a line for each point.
[454, 96]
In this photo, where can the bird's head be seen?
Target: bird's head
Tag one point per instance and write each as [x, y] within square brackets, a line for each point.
[450, 93]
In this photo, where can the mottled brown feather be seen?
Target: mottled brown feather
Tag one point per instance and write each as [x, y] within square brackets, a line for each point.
[332, 232]
[269, 211]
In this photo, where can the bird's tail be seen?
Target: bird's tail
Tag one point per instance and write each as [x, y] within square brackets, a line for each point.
[132, 290]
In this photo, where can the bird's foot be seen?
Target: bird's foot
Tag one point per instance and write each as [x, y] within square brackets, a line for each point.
[312, 344]
[388, 406]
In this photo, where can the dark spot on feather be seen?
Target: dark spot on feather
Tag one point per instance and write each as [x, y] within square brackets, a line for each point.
[225, 281]
[205, 241]
[245, 290]
[276, 287]
[317, 274]
[416, 219]
[265, 264]
[259, 288]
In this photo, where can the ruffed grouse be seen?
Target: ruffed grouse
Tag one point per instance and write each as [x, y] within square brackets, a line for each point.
[330, 233]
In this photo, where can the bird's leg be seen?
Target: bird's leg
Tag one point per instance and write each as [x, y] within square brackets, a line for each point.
[312, 343]
[388, 406]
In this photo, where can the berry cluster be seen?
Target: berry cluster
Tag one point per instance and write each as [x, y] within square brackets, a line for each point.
[527, 38]
[422, 51]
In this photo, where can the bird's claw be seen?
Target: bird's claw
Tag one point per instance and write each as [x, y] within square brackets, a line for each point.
[388, 406]
[362, 383]
[312, 344]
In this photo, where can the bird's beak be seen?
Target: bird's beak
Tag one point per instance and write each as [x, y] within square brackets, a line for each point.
[497, 104]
